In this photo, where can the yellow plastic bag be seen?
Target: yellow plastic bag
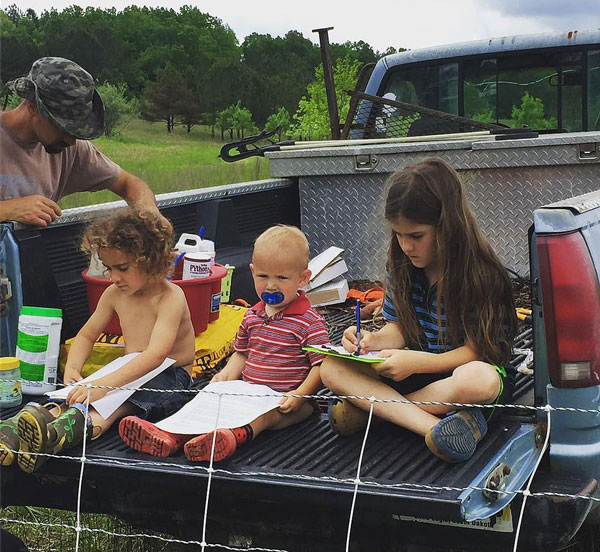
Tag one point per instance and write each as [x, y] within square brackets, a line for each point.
[212, 345]
[106, 349]
[216, 343]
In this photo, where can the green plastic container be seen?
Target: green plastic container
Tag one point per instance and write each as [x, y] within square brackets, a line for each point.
[38, 347]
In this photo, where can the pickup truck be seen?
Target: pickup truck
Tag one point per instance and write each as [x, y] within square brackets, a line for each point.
[293, 489]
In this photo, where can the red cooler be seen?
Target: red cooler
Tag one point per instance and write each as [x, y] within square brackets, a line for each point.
[203, 296]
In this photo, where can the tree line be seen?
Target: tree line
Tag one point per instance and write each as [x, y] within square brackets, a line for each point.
[185, 67]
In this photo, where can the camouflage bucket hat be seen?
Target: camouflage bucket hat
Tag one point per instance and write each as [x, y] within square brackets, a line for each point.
[65, 94]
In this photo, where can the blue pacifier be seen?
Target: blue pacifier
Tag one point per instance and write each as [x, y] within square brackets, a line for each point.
[272, 298]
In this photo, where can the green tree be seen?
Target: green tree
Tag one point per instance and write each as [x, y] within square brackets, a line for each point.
[18, 45]
[276, 72]
[164, 99]
[190, 113]
[356, 51]
[312, 116]
[225, 121]
[118, 109]
[531, 113]
[14, 13]
[242, 119]
[279, 120]
[88, 37]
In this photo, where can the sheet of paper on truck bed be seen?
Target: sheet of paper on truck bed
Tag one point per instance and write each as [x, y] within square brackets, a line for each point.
[116, 397]
[339, 351]
[237, 408]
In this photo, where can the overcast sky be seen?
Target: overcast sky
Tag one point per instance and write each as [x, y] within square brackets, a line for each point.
[382, 23]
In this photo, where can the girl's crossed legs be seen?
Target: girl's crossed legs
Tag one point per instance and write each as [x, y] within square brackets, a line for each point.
[475, 383]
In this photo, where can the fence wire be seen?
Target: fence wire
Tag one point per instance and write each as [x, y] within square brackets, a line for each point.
[355, 482]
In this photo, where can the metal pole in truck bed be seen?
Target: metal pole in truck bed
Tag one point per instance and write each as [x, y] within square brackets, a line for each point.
[329, 83]
[477, 135]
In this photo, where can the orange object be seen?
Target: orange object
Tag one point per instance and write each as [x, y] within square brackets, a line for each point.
[372, 294]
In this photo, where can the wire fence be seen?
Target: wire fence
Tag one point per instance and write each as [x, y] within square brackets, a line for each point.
[356, 482]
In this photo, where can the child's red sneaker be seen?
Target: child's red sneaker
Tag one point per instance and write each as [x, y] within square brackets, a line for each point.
[199, 448]
[146, 437]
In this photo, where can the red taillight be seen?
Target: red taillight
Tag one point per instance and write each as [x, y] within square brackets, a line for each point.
[571, 301]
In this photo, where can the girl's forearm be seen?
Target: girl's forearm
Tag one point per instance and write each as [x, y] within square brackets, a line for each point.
[448, 361]
[388, 337]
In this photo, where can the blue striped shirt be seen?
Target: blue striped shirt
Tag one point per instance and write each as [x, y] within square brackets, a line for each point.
[433, 331]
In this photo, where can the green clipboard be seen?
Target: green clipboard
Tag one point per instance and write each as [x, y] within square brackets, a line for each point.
[330, 351]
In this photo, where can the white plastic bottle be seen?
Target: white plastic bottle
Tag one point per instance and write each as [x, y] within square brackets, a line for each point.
[208, 247]
[188, 243]
[38, 347]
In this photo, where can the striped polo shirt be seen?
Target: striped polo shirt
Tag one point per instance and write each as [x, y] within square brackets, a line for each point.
[273, 345]
[433, 331]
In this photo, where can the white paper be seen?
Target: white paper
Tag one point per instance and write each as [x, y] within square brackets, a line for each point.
[330, 272]
[200, 414]
[371, 355]
[323, 260]
[116, 397]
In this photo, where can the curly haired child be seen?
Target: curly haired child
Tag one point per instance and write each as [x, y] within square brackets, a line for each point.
[135, 246]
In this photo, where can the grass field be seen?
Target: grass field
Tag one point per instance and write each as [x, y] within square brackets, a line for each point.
[170, 162]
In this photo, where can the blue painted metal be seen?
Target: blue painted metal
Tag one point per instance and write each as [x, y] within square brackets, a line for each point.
[452, 52]
[520, 454]
[575, 436]
[477, 47]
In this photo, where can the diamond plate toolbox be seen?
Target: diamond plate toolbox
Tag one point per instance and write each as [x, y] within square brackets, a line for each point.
[342, 189]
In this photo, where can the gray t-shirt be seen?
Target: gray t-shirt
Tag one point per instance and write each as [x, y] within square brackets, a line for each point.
[26, 168]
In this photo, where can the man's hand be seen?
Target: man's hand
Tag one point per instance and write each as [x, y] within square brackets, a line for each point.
[34, 209]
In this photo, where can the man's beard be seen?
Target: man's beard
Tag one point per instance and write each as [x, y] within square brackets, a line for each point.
[55, 148]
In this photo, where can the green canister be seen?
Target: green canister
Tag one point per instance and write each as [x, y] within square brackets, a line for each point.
[10, 386]
[38, 347]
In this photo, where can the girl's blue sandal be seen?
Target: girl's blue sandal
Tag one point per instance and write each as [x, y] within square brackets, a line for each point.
[455, 438]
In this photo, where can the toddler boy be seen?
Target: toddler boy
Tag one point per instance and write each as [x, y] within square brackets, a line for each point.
[268, 351]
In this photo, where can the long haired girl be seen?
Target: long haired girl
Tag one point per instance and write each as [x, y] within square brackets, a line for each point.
[450, 321]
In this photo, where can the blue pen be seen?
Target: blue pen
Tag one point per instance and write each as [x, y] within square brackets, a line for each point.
[357, 312]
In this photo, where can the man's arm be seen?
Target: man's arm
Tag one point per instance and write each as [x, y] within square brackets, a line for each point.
[133, 190]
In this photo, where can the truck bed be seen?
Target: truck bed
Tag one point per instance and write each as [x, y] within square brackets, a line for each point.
[306, 464]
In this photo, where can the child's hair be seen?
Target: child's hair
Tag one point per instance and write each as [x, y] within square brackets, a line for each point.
[475, 287]
[145, 236]
[288, 241]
